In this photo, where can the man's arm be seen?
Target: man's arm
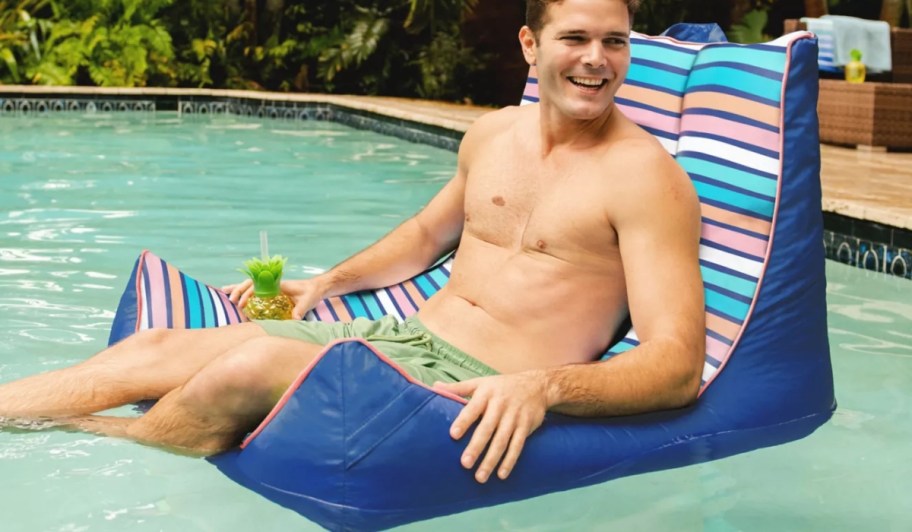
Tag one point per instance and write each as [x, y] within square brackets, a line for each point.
[656, 214]
[403, 253]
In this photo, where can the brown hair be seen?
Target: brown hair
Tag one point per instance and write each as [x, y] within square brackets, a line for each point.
[536, 10]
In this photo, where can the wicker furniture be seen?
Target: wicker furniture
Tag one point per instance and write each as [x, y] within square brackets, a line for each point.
[867, 114]
[900, 51]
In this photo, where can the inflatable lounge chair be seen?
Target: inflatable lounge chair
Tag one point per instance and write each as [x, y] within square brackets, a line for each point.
[355, 443]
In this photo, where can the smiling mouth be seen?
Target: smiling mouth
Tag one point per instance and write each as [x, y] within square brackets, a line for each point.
[588, 83]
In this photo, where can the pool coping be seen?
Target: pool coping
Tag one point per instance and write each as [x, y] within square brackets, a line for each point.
[853, 233]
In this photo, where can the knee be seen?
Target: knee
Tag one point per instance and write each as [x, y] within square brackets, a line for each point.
[240, 376]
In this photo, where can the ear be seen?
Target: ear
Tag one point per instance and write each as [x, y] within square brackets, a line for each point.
[527, 41]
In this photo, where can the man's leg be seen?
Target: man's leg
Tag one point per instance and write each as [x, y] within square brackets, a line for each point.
[221, 403]
[146, 365]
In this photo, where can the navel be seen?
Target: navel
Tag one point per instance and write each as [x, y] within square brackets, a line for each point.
[498, 200]
[468, 218]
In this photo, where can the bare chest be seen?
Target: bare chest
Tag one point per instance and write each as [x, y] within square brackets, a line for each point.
[559, 210]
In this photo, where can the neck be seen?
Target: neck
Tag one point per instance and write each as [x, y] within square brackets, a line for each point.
[558, 130]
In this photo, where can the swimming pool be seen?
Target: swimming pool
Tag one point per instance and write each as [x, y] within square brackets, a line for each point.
[81, 195]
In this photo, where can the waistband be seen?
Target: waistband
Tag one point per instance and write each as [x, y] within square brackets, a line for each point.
[448, 351]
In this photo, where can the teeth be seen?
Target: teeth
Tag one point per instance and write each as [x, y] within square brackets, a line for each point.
[589, 82]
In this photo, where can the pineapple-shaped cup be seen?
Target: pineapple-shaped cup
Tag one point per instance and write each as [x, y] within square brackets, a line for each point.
[268, 302]
[855, 69]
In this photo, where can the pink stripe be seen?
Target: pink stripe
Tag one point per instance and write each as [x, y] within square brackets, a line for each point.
[645, 117]
[402, 300]
[716, 349]
[734, 240]
[159, 313]
[323, 313]
[762, 138]
[531, 90]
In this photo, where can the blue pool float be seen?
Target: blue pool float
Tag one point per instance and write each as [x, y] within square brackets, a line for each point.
[357, 444]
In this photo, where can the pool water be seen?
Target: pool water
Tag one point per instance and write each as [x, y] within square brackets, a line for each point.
[80, 196]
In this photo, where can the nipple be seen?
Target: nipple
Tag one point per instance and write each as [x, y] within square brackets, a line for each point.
[499, 201]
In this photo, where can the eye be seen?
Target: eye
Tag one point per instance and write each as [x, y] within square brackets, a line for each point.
[572, 38]
[615, 41]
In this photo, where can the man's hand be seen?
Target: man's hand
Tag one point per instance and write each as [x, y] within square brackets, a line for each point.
[508, 408]
[305, 294]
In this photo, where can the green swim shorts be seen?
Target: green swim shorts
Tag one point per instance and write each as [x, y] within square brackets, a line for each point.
[409, 344]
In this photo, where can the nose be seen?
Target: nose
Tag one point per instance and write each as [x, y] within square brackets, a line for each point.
[594, 55]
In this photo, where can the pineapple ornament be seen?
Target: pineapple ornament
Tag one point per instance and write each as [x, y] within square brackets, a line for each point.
[268, 302]
[855, 69]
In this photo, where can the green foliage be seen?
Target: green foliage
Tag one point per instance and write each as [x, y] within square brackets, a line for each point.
[109, 42]
[19, 37]
[750, 29]
[393, 47]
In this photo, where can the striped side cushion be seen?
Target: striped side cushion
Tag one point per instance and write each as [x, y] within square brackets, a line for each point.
[168, 298]
[401, 300]
[730, 145]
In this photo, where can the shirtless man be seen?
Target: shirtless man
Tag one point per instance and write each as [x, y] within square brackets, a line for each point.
[560, 211]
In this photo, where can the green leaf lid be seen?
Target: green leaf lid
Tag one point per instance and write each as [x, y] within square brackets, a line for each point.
[266, 274]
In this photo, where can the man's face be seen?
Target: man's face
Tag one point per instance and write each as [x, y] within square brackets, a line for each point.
[582, 55]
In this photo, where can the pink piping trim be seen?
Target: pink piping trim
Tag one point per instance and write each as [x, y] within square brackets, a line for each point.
[306, 372]
[769, 248]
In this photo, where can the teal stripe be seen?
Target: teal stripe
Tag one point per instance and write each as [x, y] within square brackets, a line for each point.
[661, 54]
[746, 55]
[439, 277]
[742, 287]
[747, 82]
[208, 313]
[193, 305]
[373, 305]
[357, 309]
[621, 347]
[729, 175]
[742, 201]
[654, 76]
[425, 285]
[732, 307]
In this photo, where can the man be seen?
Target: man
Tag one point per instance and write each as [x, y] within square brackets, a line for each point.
[559, 211]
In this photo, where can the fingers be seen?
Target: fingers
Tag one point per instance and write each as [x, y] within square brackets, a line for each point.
[517, 442]
[247, 294]
[496, 448]
[462, 389]
[483, 432]
[237, 291]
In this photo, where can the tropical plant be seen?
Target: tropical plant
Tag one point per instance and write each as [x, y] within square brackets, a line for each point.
[107, 42]
[20, 34]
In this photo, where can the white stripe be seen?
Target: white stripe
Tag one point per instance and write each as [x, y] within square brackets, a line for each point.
[145, 320]
[387, 304]
[220, 318]
[708, 371]
[671, 146]
[730, 261]
[729, 152]
[311, 316]
[634, 36]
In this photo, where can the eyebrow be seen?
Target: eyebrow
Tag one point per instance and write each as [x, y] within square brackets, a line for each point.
[624, 34]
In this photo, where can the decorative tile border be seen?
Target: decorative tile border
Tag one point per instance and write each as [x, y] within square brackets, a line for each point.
[867, 254]
[276, 110]
[43, 106]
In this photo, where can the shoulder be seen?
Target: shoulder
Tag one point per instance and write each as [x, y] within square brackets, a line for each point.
[488, 128]
[649, 180]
